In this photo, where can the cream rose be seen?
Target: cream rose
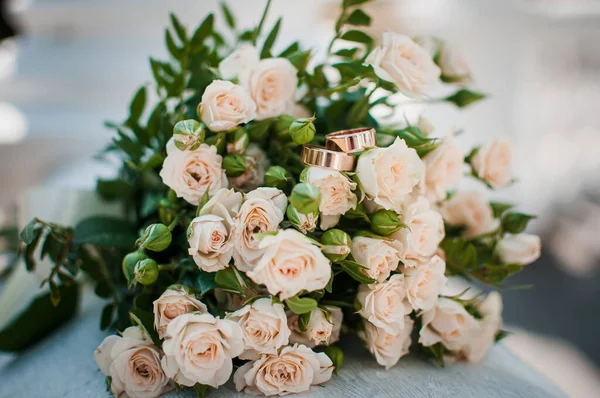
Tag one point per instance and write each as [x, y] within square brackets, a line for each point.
[254, 176]
[191, 172]
[519, 249]
[387, 175]
[443, 169]
[261, 212]
[173, 302]
[245, 56]
[291, 263]
[133, 363]
[425, 282]
[387, 348]
[454, 67]
[448, 323]
[336, 194]
[319, 330]
[379, 256]
[385, 304]
[472, 210]
[423, 233]
[403, 62]
[492, 163]
[272, 85]
[225, 106]
[264, 325]
[485, 335]
[294, 370]
[210, 235]
[199, 348]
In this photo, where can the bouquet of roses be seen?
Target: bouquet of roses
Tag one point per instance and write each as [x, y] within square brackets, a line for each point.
[267, 212]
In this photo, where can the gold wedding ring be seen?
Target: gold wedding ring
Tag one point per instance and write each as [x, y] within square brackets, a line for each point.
[321, 157]
[351, 141]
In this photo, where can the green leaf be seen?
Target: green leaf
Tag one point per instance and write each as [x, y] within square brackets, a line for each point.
[234, 165]
[28, 234]
[302, 131]
[357, 214]
[336, 355]
[179, 28]
[113, 189]
[175, 51]
[464, 97]
[137, 104]
[515, 223]
[500, 208]
[358, 112]
[105, 231]
[304, 320]
[347, 52]
[300, 60]
[436, 351]
[204, 30]
[30, 249]
[258, 131]
[301, 305]
[352, 3]
[39, 319]
[107, 316]
[145, 320]
[359, 17]
[270, 40]
[357, 36]
[205, 282]
[291, 49]
[353, 269]
[231, 280]
[201, 390]
[229, 19]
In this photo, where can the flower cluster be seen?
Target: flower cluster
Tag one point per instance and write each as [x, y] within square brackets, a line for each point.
[252, 265]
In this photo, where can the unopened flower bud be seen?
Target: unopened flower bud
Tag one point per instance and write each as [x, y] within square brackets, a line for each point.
[303, 222]
[239, 142]
[302, 131]
[520, 249]
[129, 262]
[156, 237]
[306, 198]
[146, 272]
[385, 222]
[277, 177]
[234, 165]
[188, 135]
[336, 244]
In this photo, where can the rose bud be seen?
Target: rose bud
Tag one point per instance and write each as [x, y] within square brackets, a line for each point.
[302, 131]
[337, 244]
[385, 222]
[146, 272]
[234, 165]
[156, 237]
[129, 262]
[188, 134]
[239, 142]
[277, 177]
[520, 249]
[306, 198]
[303, 222]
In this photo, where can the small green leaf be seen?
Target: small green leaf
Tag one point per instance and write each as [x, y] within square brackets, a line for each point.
[357, 36]
[203, 201]
[270, 40]
[346, 52]
[292, 48]
[234, 165]
[500, 208]
[436, 351]
[277, 177]
[464, 97]
[137, 104]
[231, 280]
[259, 130]
[303, 131]
[352, 3]
[336, 355]
[304, 320]
[175, 51]
[105, 231]
[359, 17]
[28, 233]
[515, 223]
[306, 198]
[229, 19]
[301, 305]
[300, 60]
[179, 28]
[204, 30]
[354, 269]
[113, 189]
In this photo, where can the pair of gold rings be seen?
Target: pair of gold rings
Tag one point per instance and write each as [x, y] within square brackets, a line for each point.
[339, 150]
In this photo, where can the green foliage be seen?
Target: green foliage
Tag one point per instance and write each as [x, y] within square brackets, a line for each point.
[234, 165]
[301, 305]
[464, 97]
[356, 271]
[336, 355]
[302, 131]
[515, 223]
[305, 198]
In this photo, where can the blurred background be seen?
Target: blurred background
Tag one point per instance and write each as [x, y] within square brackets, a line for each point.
[68, 65]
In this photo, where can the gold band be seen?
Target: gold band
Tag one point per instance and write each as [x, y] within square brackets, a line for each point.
[351, 141]
[318, 156]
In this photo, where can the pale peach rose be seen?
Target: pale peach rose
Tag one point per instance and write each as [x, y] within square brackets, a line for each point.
[261, 212]
[199, 349]
[386, 347]
[319, 330]
[424, 283]
[385, 304]
[173, 302]
[133, 363]
[388, 175]
[403, 62]
[245, 56]
[448, 323]
[485, 334]
[291, 263]
[264, 325]
[443, 169]
[425, 125]
[225, 106]
[422, 235]
[336, 194]
[272, 85]
[378, 255]
[294, 370]
[454, 67]
[254, 176]
[191, 172]
[472, 210]
[492, 163]
[519, 249]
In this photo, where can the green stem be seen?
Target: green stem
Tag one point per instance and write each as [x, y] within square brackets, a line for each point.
[261, 23]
